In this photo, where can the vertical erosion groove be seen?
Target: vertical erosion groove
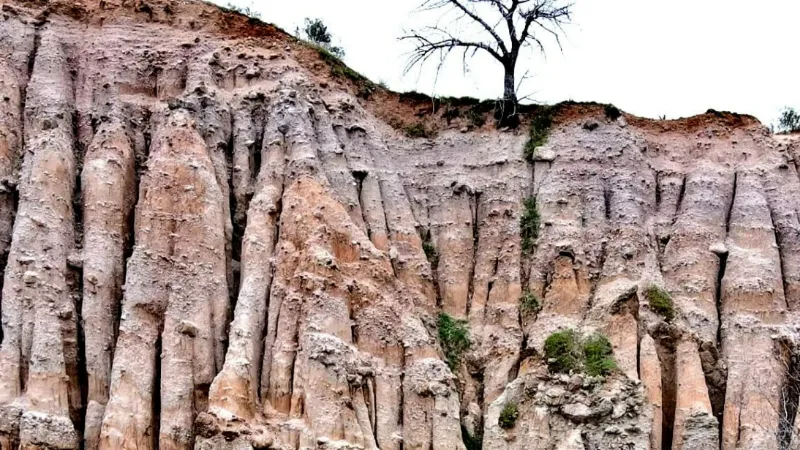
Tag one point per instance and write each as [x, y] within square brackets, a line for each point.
[156, 390]
[474, 204]
[607, 203]
[658, 189]
[75, 268]
[390, 235]
[723, 264]
[665, 349]
[781, 260]
[359, 176]
[681, 195]
[730, 206]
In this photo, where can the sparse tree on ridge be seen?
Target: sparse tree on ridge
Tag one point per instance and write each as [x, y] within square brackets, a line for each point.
[501, 28]
[789, 121]
[317, 33]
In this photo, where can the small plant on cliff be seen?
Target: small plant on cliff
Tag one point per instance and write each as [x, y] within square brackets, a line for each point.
[539, 131]
[566, 352]
[598, 354]
[430, 251]
[660, 302]
[529, 304]
[316, 32]
[508, 416]
[612, 112]
[529, 225]
[454, 337]
[562, 352]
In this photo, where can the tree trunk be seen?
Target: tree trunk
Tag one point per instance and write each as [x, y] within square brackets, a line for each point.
[509, 87]
[506, 113]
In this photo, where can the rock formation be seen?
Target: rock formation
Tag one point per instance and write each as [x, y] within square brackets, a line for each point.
[212, 238]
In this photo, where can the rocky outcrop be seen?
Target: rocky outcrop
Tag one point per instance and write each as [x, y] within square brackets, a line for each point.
[214, 240]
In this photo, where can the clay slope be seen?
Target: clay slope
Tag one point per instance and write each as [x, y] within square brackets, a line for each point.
[209, 241]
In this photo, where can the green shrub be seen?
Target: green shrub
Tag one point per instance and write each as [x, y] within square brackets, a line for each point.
[566, 351]
[316, 32]
[508, 416]
[612, 112]
[789, 121]
[418, 130]
[454, 337]
[529, 225]
[539, 130]
[529, 304]
[562, 352]
[598, 354]
[660, 302]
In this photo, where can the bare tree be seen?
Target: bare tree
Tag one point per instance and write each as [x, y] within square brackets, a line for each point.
[501, 28]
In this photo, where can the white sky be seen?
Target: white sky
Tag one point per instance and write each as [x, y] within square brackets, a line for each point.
[649, 57]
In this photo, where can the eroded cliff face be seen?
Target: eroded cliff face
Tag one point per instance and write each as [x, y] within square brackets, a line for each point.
[211, 242]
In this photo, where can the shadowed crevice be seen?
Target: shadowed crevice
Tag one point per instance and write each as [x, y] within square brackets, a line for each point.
[681, 195]
[474, 206]
[665, 349]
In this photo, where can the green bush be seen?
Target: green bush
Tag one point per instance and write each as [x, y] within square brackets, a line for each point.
[529, 304]
[454, 337]
[612, 112]
[598, 354]
[789, 121]
[529, 225]
[316, 32]
[660, 302]
[508, 416]
[539, 130]
[430, 251]
[562, 352]
[566, 352]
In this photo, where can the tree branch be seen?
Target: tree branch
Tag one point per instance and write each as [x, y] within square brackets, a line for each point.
[458, 4]
[427, 47]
